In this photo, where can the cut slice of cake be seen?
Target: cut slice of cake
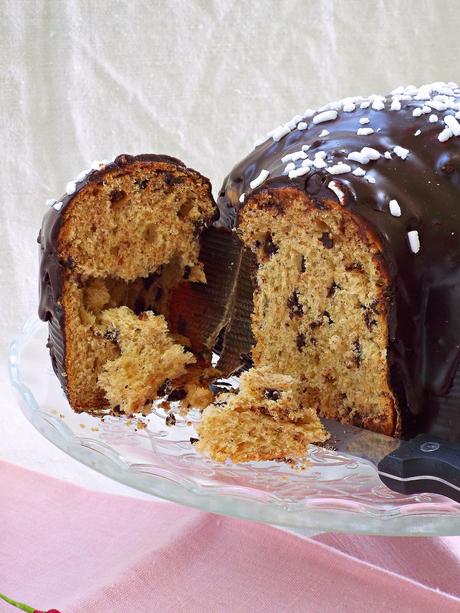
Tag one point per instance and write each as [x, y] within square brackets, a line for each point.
[321, 304]
[125, 235]
[269, 418]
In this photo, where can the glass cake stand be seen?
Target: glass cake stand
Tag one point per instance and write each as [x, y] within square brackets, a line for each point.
[337, 492]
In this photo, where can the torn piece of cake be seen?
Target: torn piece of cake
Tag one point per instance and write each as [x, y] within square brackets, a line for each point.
[269, 418]
[149, 356]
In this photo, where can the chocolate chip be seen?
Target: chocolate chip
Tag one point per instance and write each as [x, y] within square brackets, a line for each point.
[326, 314]
[187, 271]
[272, 394]
[303, 264]
[194, 440]
[269, 246]
[116, 195]
[326, 239]
[170, 419]
[315, 324]
[300, 341]
[111, 335]
[369, 320]
[177, 394]
[358, 420]
[374, 305]
[69, 263]
[165, 388]
[334, 287]
[354, 266]
[295, 307]
[357, 353]
[171, 179]
[141, 183]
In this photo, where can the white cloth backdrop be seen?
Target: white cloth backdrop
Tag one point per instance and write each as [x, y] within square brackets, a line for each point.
[200, 80]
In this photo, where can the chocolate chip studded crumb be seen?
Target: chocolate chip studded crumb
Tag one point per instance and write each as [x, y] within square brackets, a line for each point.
[177, 394]
[170, 419]
[357, 353]
[300, 341]
[272, 394]
[327, 240]
[295, 307]
[194, 440]
[187, 271]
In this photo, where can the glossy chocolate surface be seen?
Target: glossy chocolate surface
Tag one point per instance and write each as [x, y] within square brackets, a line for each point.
[424, 343]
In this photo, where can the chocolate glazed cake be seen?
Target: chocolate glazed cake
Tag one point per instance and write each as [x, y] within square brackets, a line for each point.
[124, 239]
[352, 213]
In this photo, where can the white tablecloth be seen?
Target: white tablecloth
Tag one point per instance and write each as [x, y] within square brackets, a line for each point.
[200, 80]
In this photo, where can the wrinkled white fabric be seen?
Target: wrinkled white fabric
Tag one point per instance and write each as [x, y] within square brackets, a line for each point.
[201, 80]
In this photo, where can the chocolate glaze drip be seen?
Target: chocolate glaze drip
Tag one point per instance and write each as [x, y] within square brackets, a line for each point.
[424, 343]
[53, 268]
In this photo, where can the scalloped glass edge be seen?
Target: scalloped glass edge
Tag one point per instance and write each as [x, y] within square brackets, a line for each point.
[434, 517]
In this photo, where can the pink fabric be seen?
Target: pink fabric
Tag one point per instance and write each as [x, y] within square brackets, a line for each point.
[81, 551]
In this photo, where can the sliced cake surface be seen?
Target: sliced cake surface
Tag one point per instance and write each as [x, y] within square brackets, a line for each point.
[268, 418]
[126, 234]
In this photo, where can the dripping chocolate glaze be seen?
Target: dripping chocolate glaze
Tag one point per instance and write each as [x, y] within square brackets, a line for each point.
[53, 268]
[424, 343]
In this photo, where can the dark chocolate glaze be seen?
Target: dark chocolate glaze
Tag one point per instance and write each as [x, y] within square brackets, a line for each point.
[53, 268]
[424, 343]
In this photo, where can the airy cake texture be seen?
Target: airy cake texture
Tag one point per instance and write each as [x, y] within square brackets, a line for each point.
[126, 235]
[149, 359]
[320, 305]
[269, 418]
